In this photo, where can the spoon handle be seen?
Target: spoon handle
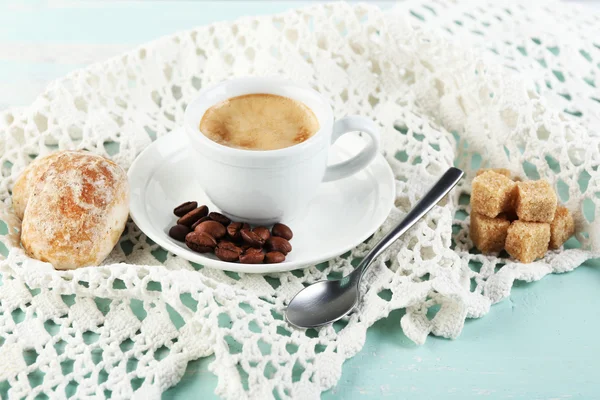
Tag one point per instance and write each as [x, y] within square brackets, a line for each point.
[435, 194]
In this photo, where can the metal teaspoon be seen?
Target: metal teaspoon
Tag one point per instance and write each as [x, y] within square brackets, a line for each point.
[325, 302]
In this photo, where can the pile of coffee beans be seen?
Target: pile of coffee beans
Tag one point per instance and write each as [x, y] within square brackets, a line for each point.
[212, 232]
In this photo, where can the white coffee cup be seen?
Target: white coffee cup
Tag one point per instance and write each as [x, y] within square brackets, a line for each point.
[266, 186]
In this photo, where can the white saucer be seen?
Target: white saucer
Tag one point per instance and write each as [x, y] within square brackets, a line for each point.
[344, 213]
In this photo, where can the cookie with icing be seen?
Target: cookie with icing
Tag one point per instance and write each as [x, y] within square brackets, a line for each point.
[76, 210]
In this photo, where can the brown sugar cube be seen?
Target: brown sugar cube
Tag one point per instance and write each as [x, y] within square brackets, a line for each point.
[488, 234]
[492, 194]
[501, 171]
[527, 241]
[561, 228]
[536, 201]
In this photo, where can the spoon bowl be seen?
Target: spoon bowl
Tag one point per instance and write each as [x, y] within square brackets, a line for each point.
[322, 303]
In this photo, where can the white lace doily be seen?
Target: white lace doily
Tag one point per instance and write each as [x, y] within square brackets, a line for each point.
[129, 328]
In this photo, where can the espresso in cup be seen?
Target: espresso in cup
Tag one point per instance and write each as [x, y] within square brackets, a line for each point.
[261, 158]
[259, 122]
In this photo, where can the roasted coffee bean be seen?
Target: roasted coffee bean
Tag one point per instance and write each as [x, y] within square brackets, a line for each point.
[274, 257]
[252, 238]
[276, 243]
[253, 250]
[252, 256]
[215, 216]
[185, 208]
[229, 245]
[193, 216]
[262, 232]
[201, 220]
[178, 232]
[213, 228]
[234, 228]
[201, 242]
[283, 231]
[227, 251]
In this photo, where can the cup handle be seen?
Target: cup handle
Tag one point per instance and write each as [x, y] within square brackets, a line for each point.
[362, 159]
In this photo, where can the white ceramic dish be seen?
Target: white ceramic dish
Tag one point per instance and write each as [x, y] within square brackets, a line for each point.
[343, 214]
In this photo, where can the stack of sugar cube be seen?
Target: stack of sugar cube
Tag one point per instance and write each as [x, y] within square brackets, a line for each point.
[521, 217]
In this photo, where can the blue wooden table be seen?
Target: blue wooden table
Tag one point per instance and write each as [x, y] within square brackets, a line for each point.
[541, 343]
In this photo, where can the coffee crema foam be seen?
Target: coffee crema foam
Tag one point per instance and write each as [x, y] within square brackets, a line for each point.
[259, 122]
